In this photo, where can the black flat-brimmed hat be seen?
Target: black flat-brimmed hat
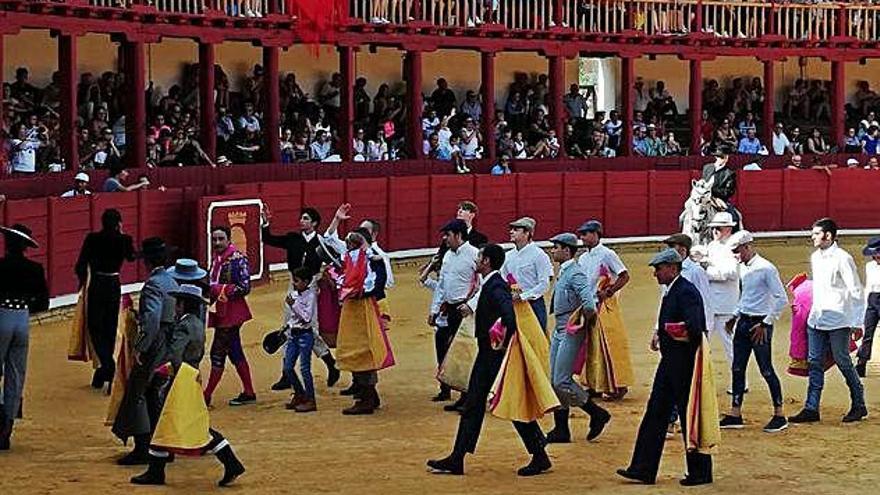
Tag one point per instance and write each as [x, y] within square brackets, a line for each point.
[153, 246]
[21, 233]
[274, 340]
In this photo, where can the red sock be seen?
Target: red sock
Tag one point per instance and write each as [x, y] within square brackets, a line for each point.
[244, 373]
[213, 380]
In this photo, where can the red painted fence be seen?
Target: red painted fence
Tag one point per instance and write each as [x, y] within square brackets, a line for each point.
[411, 208]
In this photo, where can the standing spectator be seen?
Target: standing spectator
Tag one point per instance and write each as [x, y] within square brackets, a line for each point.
[443, 99]
[575, 103]
[472, 107]
[430, 123]
[641, 97]
[470, 140]
[662, 102]
[358, 146]
[328, 97]
[613, 128]
[225, 129]
[23, 149]
[118, 174]
[361, 101]
[377, 150]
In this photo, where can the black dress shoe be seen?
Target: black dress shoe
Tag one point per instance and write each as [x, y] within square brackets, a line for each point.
[539, 463]
[855, 414]
[558, 436]
[351, 390]
[805, 416]
[597, 423]
[448, 465]
[442, 396]
[281, 384]
[634, 476]
[457, 406]
[694, 481]
[98, 379]
[134, 458]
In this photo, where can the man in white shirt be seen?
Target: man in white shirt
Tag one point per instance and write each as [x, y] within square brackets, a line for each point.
[530, 266]
[599, 261]
[457, 283]
[80, 186]
[761, 303]
[872, 299]
[721, 267]
[781, 144]
[837, 310]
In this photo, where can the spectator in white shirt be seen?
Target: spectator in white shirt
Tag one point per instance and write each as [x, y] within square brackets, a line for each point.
[872, 299]
[80, 186]
[23, 149]
[530, 266]
[781, 144]
[321, 147]
[456, 284]
[761, 303]
[721, 267]
[837, 310]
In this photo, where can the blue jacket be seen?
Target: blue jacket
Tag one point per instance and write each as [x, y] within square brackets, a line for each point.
[681, 304]
[496, 301]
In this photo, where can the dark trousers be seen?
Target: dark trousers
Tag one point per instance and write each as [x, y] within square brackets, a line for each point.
[872, 316]
[540, 309]
[671, 386]
[443, 339]
[742, 351]
[483, 374]
[103, 317]
[141, 405]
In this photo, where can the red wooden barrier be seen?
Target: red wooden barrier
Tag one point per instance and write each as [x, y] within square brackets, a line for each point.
[667, 192]
[496, 197]
[409, 213]
[539, 195]
[369, 199]
[626, 200]
[584, 198]
[854, 198]
[69, 221]
[804, 196]
[759, 199]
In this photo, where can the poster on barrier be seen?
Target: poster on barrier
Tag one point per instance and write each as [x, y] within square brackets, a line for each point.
[242, 216]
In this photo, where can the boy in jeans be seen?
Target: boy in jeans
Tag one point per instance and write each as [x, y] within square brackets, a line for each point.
[303, 316]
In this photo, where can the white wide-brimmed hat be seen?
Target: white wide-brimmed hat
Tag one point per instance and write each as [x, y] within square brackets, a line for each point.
[722, 219]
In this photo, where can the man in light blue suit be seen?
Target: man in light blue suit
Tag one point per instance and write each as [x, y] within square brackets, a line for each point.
[573, 290]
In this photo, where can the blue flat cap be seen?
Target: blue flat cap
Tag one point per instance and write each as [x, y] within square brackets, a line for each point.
[873, 247]
[565, 239]
[591, 226]
[668, 255]
[456, 226]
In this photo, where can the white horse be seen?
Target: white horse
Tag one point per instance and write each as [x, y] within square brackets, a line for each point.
[699, 208]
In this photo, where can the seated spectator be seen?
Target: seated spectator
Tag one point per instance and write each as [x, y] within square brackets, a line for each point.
[431, 147]
[105, 148]
[750, 144]
[154, 152]
[797, 163]
[575, 104]
[321, 148]
[515, 111]
[707, 127]
[816, 144]
[868, 121]
[613, 128]
[500, 123]
[547, 147]
[639, 145]
[222, 161]
[797, 141]
[80, 186]
[851, 142]
[472, 107]
[671, 146]
[249, 121]
[852, 163]
[470, 140]
[872, 164]
[23, 149]
[871, 140]
[118, 174]
[185, 151]
[781, 145]
[572, 147]
[300, 151]
[520, 147]
[430, 123]
[748, 122]
[502, 167]
[377, 149]
[359, 147]
[599, 146]
[286, 145]
[248, 146]
[725, 136]
[505, 142]
[639, 121]
[652, 144]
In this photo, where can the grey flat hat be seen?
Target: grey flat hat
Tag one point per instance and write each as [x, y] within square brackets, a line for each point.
[565, 239]
[668, 255]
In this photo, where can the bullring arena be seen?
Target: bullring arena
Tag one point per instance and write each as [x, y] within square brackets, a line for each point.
[185, 115]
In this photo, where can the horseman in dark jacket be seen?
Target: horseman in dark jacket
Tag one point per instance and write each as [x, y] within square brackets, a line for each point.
[723, 180]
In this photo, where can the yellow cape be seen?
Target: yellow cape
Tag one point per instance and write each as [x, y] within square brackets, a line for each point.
[608, 367]
[184, 423]
[455, 370]
[362, 343]
[79, 346]
[522, 390]
[128, 327]
[704, 432]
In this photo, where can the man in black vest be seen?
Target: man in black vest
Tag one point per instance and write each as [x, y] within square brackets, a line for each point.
[301, 250]
[496, 301]
[723, 183]
[681, 325]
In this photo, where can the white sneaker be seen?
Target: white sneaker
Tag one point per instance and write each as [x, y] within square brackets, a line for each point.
[471, 23]
[377, 20]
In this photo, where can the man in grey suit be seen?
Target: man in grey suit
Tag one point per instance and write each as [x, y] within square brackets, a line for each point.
[573, 290]
[142, 402]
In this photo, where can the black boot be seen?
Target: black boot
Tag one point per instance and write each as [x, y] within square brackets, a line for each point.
[5, 431]
[233, 468]
[282, 384]
[861, 368]
[560, 432]
[351, 390]
[155, 474]
[140, 455]
[98, 378]
[539, 463]
[599, 417]
[366, 403]
[332, 372]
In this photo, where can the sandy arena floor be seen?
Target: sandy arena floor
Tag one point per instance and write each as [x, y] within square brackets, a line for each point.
[62, 446]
